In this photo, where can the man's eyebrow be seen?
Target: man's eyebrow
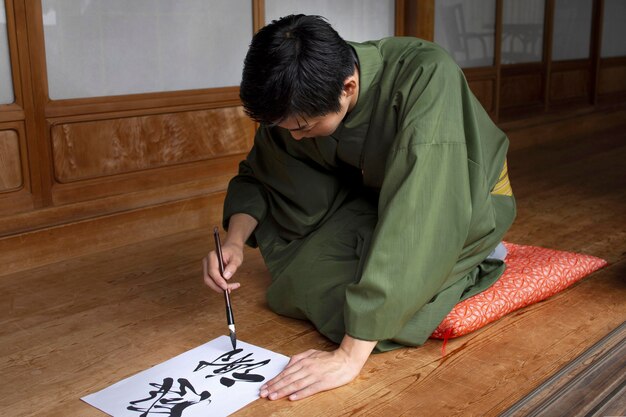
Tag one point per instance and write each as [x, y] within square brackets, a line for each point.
[305, 125]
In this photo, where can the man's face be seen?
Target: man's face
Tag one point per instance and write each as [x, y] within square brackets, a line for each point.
[310, 127]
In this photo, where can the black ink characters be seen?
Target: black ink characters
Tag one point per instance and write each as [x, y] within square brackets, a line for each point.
[166, 402]
[225, 365]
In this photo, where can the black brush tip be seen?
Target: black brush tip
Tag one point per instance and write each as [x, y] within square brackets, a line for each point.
[233, 339]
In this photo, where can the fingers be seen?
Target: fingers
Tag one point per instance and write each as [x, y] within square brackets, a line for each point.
[290, 368]
[308, 391]
[207, 278]
[292, 378]
[296, 382]
[214, 271]
[232, 261]
[212, 276]
[311, 372]
[280, 380]
[289, 375]
[292, 384]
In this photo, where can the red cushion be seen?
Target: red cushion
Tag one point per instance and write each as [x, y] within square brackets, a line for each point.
[532, 274]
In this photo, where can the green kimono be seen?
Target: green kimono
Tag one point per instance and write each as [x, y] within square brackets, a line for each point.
[380, 229]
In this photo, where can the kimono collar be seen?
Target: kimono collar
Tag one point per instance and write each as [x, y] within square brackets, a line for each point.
[370, 64]
[352, 132]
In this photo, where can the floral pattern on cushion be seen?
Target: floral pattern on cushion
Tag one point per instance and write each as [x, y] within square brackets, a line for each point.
[532, 274]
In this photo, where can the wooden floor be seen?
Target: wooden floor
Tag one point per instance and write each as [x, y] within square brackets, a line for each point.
[74, 327]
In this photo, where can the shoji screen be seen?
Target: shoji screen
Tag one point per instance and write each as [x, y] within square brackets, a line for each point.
[522, 31]
[467, 29]
[6, 80]
[571, 38]
[104, 47]
[355, 20]
[614, 29]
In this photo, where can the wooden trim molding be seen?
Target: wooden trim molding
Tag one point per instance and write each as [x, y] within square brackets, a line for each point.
[593, 384]
[497, 58]
[206, 98]
[31, 151]
[426, 19]
[418, 18]
[32, 38]
[258, 14]
[548, 36]
[596, 44]
[399, 14]
[13, 54]
[11, 112]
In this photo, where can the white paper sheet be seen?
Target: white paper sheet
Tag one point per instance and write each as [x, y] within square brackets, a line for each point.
[210, 380]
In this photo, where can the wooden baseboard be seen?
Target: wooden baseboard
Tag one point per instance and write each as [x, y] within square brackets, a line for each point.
[44, 246]
[124, 201]
[594, 384]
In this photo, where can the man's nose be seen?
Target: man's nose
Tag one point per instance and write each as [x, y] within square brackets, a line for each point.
[297, 135]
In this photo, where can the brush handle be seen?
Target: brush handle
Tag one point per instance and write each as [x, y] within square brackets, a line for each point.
[220, 260]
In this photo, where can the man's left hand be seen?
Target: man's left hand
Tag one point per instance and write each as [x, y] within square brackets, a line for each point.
[314, 371]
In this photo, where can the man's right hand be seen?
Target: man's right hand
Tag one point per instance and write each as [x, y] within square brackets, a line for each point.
[240, 227]
[233, 258]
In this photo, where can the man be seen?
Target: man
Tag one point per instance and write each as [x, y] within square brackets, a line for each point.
[376, 191]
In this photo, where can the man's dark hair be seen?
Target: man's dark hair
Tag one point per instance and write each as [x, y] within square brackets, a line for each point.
[296, 66]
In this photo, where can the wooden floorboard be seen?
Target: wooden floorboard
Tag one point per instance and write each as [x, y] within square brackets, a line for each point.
[73, 327]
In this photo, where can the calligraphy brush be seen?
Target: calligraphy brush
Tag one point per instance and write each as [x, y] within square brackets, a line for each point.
[230, 319]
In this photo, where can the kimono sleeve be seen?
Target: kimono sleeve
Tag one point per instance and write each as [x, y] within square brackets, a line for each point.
[424, 217]
[285, 184]
[245, 194]
[424, 210]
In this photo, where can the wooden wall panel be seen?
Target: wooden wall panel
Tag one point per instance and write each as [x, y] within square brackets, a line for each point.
[612, 79]
[569, 84]
[521, 90]
[15, 180]
[208, 176]
[10, 161]
[91, 149]
[484, 92]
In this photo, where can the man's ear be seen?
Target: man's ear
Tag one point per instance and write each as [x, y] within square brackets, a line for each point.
[350, 85]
